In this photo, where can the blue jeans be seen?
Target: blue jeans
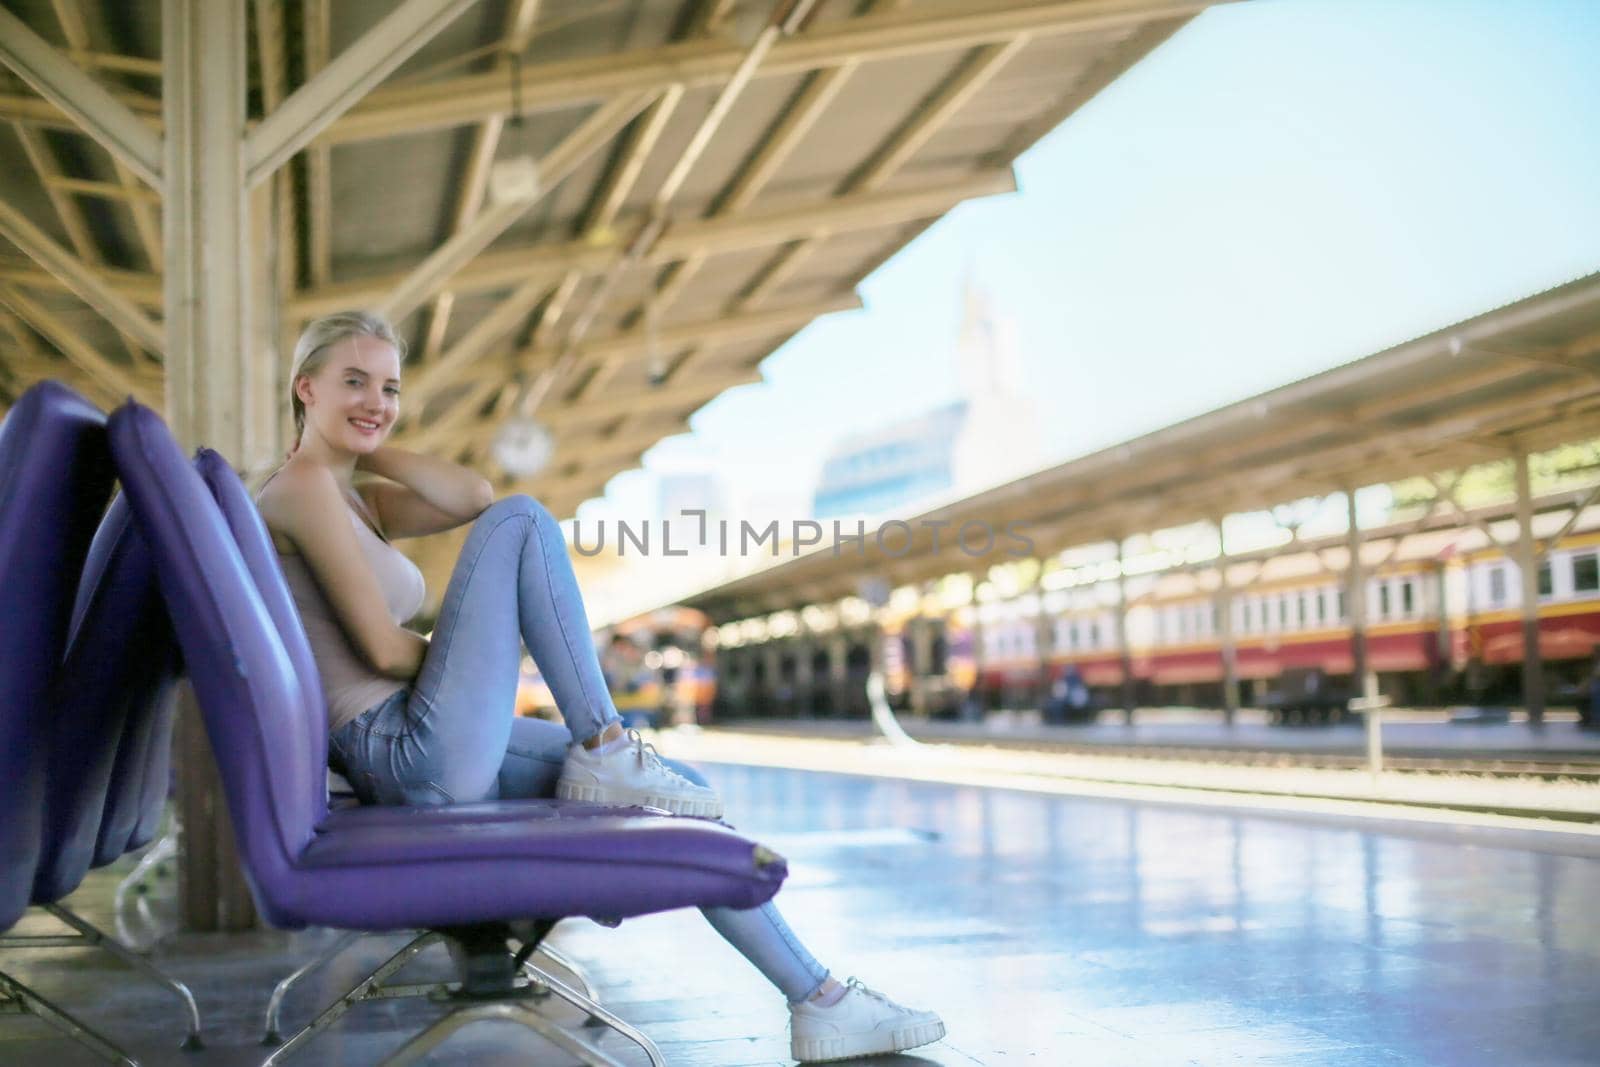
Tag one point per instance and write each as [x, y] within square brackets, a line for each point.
[454, 737]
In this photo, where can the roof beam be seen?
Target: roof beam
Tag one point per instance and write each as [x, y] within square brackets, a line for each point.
[520, 16]
[433, 273]
[485, 333]
[146, 227]
[32, 363]
[498, 270]
[314, 106]
[67, 209]
[120, 380]
[82, 279]
[637, 342]
[640, 402]
[918, 30]
[141, 288]
[316, 19]
[435, 434]
[99, 114]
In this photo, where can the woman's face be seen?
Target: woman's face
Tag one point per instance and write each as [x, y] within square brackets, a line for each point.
[353, 399]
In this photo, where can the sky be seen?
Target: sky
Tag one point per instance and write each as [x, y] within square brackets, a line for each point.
[1282, 187]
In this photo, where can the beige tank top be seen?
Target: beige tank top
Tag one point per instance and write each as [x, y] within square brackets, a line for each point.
[348, 683]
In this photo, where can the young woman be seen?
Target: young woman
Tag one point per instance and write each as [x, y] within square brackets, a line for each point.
[415, 721]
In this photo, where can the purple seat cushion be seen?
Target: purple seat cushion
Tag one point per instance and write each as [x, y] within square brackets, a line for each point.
[434, 870]
[112, 709]
[55, 479]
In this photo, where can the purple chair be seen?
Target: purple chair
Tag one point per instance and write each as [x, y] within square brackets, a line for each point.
[55, 478]
[110, 735]
[479, 880]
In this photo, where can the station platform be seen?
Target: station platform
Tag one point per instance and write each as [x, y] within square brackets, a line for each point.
[1423, 734]
[1044, 928]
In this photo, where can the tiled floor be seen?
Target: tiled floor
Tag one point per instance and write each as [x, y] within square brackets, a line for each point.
[1052, 930]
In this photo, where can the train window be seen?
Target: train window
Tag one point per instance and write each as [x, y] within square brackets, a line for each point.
[1545, 584]
[1339, 602]
[1408, 595]
[1383, 600]
[1283, 613]
[1305, 609]
[1497, 585]
[1094, 634]
[1586, 573]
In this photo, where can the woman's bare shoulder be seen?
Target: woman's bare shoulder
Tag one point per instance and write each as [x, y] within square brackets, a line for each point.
[296, 499]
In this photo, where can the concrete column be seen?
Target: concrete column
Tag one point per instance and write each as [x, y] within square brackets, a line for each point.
[219, 387]
[839, 669]
[977, 649]
[1229, 652]
[1044, 639]
[803, 648]
[1124, 653]
[1527, 554]
[1355, 598]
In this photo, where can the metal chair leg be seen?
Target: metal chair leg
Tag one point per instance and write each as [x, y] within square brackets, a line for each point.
[567, 964]
[26, 1001]
[270, 1034]
[164, 848]
[433, 1036]
[370, 986]
[95, 937]
[608, 1018]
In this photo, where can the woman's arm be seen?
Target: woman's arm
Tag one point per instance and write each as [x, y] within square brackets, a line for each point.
[422, 494]
[306, 505]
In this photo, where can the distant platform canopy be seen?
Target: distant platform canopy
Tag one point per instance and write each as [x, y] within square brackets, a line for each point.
[1523, 377]
[600, 215]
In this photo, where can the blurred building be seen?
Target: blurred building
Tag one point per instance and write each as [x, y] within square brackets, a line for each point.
[988, 436]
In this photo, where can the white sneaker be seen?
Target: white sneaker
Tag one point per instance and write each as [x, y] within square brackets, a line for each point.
[633, 776]
[860, 1023]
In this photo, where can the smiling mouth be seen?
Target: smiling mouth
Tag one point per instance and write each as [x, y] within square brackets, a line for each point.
[362, 424]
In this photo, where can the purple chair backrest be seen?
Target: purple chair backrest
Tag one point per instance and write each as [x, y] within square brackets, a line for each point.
[253, 704]
[261, 560]
[111, 733]
[55, 479]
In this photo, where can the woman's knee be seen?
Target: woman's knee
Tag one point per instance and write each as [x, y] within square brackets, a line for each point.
[519, 504]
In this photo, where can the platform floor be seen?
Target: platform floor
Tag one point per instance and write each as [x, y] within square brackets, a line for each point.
[1047, 929]
[1404, 734]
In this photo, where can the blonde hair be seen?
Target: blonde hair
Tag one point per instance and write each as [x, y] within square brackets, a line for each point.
[311, 351]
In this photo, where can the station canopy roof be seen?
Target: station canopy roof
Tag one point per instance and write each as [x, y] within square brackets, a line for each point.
[697, 197]
[1525, 376]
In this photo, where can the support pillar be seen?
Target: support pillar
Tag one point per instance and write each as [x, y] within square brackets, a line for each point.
[1527, 554]
[1124, 653]
[1355, 601]
[220, 385]
[839, 672]
[1043, 640]
[976, 700]
[1227, 648]
[804, 648]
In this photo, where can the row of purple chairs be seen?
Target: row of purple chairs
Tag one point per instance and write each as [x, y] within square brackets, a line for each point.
[488, 880]
[87, 664]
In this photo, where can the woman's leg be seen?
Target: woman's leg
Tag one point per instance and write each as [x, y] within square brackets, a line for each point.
[761, 935]
[530, 769]
[512, 586]
[533, 759]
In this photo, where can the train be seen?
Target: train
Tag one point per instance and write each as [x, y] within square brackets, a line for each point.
[1444, 628]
